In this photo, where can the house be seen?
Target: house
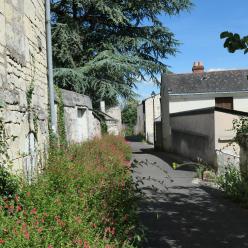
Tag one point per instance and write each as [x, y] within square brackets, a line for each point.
[196, 90]
[197, 111]
[23, 85]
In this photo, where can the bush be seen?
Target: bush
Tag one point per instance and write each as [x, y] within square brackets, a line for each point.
[85, 198]
[8, 183]
[233, 185]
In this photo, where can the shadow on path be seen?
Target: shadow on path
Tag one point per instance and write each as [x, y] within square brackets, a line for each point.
[181, 214]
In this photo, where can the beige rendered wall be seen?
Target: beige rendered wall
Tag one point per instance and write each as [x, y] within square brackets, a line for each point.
[23, 67]
[227, 151]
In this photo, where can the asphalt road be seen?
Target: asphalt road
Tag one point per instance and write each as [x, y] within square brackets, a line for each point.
[177, 213]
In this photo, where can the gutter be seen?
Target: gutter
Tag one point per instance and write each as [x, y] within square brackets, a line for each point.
[50, 68]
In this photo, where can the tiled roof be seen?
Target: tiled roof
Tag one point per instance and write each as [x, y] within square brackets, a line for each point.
[215, 81]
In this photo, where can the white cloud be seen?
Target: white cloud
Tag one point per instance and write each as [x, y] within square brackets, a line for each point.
[219, 69]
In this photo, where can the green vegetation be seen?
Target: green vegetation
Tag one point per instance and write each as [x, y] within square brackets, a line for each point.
[102, 47]
[234, 186]
[234, 182]
[129, 115]
[85, 198]
[234, 42]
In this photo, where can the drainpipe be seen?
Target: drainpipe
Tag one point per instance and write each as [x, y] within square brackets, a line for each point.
[50, 68]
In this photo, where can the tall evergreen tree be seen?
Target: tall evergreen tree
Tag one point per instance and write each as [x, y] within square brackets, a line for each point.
[101, 47]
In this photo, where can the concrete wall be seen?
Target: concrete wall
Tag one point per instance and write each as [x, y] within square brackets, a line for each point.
[23, 65]
[193, 136]
[80, 123]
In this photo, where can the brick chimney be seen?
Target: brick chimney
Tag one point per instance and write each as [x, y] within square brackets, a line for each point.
[198, 67]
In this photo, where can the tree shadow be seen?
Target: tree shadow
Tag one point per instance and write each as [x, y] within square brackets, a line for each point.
[169, 158]
[187, 216]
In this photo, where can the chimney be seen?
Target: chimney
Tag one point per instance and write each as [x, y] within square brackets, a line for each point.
[102, 106]
[198, 67]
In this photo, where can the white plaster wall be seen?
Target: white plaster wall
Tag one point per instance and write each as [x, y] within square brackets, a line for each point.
[149, 116]
[185, 104]
[241, 104]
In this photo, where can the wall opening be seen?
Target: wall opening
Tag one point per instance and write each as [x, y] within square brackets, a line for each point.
[82, 125]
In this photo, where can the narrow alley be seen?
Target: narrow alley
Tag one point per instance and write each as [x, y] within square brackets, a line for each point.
[177, 213]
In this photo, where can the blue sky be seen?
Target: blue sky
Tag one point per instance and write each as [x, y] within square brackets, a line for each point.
[199, 31]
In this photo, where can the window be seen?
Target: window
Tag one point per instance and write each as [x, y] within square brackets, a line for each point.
[224, 102]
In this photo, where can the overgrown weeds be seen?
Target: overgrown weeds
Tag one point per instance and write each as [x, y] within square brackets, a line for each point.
[234, 186]
[85, 198]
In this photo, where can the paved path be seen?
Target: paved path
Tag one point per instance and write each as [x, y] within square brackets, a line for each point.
[177, 213]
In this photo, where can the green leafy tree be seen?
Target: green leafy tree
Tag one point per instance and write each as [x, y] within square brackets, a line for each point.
[129, 114]
[234, 42]
[101, 47]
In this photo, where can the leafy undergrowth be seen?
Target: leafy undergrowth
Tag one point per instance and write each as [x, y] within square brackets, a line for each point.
[234, 186]
[85, 198]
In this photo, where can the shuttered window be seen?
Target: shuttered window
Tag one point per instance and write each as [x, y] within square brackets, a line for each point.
[224, 102]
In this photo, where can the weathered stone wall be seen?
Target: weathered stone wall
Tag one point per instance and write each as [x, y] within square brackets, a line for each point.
[23, 81]
[115, 126]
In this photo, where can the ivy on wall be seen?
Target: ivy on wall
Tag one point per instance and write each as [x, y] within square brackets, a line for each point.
[60, 117]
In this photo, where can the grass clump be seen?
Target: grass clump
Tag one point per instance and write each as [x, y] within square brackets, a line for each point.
[85, 198]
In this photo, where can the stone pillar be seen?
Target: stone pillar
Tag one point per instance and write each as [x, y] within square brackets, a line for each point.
[165, 117]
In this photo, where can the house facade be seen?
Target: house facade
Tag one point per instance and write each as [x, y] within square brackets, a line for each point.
[204, 106]
[23, 84]
[196, 90]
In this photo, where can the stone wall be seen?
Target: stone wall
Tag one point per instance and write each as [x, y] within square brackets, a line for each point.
[115, 125]
[23, 81]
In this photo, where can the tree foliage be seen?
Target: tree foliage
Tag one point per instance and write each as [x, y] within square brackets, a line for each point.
[234, 42]
[129, 113]
[101, 47]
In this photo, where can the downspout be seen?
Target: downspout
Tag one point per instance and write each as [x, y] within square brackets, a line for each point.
[50, 68]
